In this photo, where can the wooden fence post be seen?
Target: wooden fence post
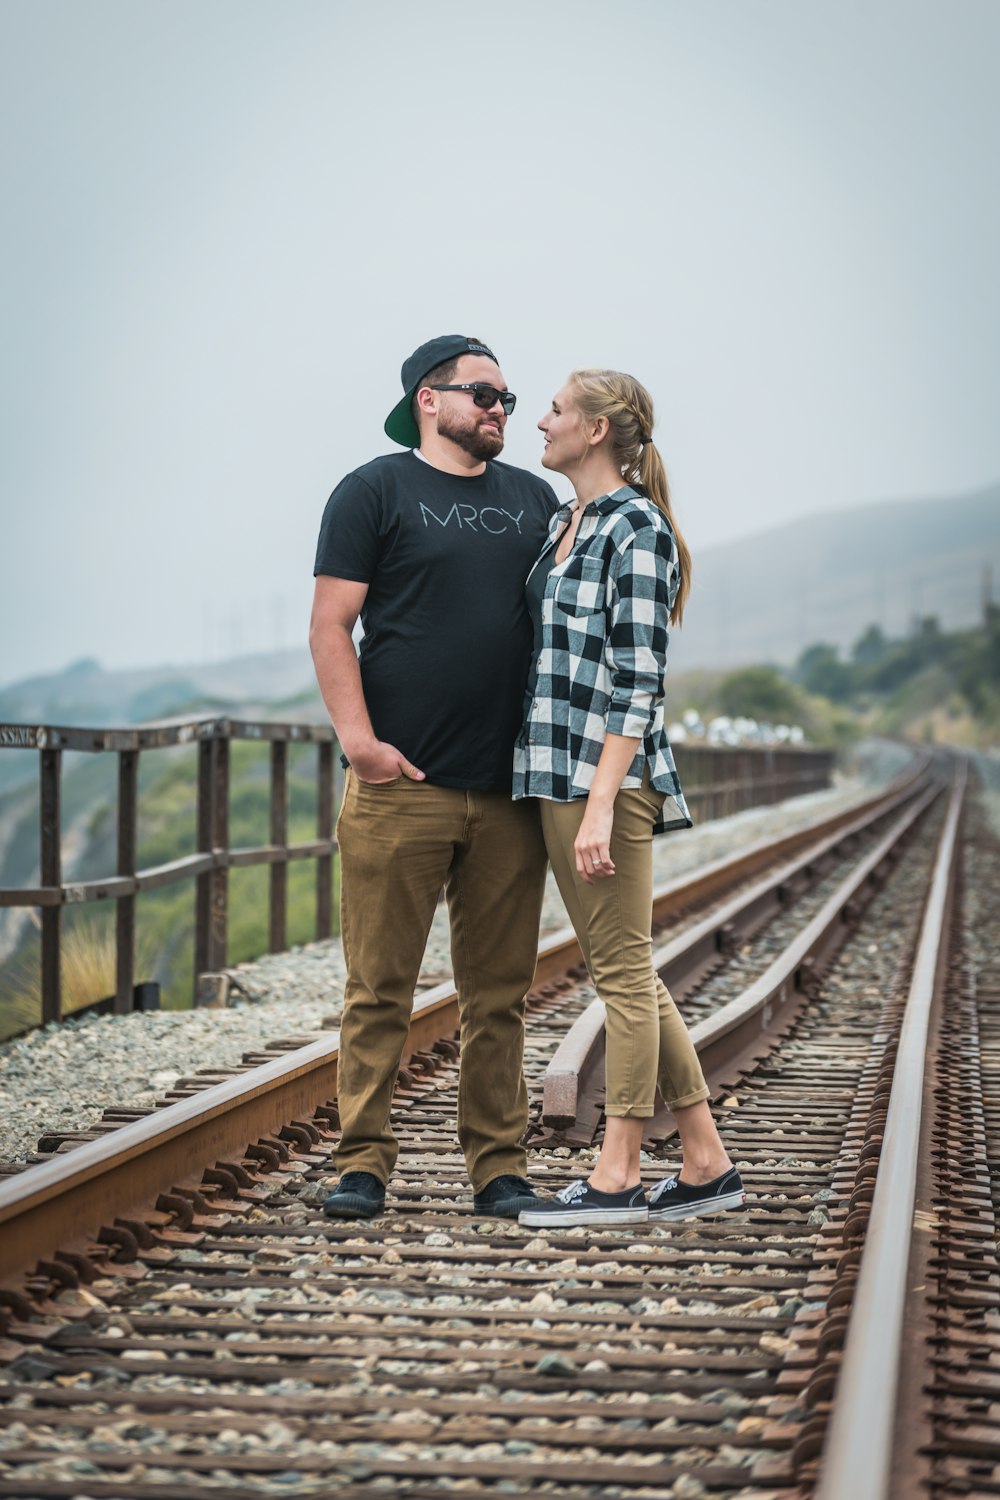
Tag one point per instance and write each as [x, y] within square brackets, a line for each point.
[278, 904]
[324, 830]
[51, 874]
[213, 837]
[128, 792]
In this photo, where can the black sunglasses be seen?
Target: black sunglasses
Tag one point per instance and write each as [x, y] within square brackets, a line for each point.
[484, 395]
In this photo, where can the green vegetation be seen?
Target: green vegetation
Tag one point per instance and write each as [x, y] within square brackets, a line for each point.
[929, 685]
[759, 693]
[766, 694]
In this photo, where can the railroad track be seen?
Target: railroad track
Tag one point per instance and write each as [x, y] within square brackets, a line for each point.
[234, 1342]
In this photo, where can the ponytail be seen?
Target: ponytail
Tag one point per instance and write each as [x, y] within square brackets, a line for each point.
[653, 478]
[628, 407]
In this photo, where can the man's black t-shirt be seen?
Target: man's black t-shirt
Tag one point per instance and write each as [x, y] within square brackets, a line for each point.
[447, 642]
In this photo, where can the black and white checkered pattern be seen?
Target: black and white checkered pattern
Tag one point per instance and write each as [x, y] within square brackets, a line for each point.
[604, 652]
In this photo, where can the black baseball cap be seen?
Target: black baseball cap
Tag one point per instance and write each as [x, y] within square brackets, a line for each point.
[399, 424]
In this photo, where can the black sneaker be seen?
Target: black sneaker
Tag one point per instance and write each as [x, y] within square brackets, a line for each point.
[673, 1199]
[358, 1195]
[582, 1204]
[504, 1197]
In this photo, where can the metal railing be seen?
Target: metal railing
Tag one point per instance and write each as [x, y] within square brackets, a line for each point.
[717, 781]
[210, 862]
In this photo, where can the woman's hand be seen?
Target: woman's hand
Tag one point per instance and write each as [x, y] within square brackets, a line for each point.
[592, 844]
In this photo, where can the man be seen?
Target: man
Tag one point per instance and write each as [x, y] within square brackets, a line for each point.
[431, 548]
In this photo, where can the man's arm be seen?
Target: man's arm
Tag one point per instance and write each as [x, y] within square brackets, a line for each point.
[336, 605]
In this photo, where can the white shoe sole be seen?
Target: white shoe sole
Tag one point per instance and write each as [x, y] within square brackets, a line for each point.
[698, 1210]
[568, 1216]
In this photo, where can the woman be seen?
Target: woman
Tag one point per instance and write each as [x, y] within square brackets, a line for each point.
[593, 750]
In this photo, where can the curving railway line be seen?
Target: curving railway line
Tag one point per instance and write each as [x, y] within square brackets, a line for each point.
[180, 1321]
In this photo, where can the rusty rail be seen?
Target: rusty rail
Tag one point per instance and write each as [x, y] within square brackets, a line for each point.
[864, 1442]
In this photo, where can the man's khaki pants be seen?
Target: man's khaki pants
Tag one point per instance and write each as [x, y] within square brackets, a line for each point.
[401, 843]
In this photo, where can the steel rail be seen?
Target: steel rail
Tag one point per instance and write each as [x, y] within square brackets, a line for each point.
[858, 1453]
[581, 1053]
[63, 1202]
[736, 1027]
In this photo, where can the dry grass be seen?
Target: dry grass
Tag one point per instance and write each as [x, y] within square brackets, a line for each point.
[87, 971]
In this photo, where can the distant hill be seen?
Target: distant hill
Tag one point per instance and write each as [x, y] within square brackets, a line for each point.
[766, 597]
[272, 685]
[761, 599]
[85, 693]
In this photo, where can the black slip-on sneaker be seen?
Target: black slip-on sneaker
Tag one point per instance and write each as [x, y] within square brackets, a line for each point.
[673, 1199]
[358, 1195]
[504, 1197]
[579, 1203]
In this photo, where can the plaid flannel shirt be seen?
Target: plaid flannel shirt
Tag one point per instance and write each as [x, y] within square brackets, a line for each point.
[604, 650]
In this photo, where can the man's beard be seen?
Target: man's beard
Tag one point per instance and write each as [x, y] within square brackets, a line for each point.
[479, 442]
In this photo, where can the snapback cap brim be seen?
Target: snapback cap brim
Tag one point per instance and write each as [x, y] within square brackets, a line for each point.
[399, 424]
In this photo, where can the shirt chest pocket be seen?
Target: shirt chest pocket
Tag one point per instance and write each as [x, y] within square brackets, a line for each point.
[581, 589]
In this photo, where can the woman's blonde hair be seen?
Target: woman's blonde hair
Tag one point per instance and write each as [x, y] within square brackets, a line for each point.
[628, 407]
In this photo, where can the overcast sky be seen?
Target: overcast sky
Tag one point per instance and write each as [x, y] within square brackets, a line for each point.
[226, 222]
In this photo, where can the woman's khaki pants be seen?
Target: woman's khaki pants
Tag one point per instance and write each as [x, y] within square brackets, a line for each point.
[647, 1041]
